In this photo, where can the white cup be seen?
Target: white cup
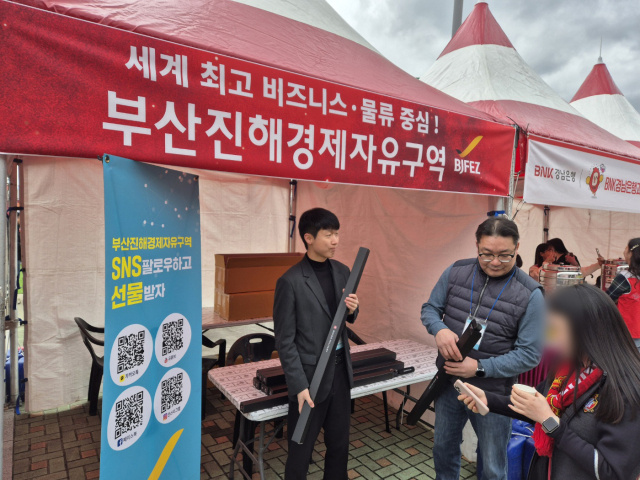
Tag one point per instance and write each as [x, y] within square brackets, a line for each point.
[525, 388]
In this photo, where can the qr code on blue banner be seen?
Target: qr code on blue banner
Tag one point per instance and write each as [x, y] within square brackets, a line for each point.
[171, 392]
[129, 414]
[130, 351]
[172, 336]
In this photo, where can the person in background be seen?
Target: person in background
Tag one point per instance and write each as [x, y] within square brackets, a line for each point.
[587, 413]
[305, 302]
[545, 253]
[625, 290]
[509, 304]
[563, 256]
[519, 261]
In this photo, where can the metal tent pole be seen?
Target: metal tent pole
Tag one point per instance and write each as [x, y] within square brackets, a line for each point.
[293, 199]
[457, 16]
[3, 287]
[505, 204]
[13, 272]
[545, 224]
[512, 175]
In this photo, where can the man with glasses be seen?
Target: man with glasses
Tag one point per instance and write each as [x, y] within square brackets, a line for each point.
[509, 306]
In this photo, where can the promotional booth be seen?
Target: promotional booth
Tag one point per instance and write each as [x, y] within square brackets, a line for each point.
[245, 95]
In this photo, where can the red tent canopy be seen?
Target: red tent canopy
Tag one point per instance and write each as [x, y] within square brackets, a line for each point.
[315, 100]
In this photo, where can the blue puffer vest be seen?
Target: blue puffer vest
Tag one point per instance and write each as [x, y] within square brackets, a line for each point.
[502, 326]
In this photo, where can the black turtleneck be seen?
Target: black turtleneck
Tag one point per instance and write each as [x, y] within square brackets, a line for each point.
[325, 277]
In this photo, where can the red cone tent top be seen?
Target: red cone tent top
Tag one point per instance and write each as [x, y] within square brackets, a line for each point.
[306, 37]
[481, 67]
[600, 100]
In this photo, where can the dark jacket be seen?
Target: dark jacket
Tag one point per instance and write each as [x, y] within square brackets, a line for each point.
[302, 322]
[502, 327]
[585, 448]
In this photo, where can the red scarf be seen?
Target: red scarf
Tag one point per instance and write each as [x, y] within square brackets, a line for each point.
[560, 400]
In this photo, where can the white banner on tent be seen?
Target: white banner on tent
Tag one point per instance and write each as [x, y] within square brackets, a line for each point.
[566, 177]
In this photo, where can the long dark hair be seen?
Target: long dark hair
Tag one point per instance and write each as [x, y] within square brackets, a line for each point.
[558, 244]
[540, 249]
[602, 339]
[634, 249]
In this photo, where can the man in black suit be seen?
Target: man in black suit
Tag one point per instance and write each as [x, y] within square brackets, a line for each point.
[306, 300]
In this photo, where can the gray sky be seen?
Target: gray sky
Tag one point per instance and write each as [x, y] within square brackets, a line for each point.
[559, 39]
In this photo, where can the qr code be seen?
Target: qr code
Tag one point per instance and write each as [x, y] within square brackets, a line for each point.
[172, 336]
[130, 351]
[129, 414]
[171, 392]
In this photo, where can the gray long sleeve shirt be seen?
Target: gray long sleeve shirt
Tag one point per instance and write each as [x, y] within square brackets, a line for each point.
[526, 353]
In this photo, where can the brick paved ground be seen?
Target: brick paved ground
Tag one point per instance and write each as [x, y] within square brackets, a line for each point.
[65, 444]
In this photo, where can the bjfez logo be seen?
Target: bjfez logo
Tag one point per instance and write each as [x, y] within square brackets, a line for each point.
[595, 179]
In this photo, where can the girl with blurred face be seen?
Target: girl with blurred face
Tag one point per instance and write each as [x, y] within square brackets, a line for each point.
[587, 413]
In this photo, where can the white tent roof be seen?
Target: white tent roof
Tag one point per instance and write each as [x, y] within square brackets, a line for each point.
[600, 100]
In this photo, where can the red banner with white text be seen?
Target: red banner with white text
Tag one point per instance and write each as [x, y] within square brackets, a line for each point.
[79, 89]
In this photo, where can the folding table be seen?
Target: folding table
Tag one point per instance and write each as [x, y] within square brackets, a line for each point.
[236, 383]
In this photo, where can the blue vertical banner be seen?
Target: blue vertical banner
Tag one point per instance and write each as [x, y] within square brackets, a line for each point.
[153, 318]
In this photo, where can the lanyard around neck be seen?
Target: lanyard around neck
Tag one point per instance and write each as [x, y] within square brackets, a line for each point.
[499, 295]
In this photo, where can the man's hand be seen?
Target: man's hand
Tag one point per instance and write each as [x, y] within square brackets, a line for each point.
[446, 342]
[304, 396]
[465, 369]
[352, 302]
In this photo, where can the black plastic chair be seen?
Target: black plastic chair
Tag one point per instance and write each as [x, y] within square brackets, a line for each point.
[209, 363]
[252, 348]
[97, 365]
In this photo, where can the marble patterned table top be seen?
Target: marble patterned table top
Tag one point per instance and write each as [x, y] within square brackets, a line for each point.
[211, 320]
[236, 381]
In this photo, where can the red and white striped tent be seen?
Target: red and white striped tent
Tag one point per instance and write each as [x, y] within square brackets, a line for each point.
[562, 149]
[409, 231]
[481, 67]
[600, 100]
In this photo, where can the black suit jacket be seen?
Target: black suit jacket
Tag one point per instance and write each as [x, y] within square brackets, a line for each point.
[302, 322]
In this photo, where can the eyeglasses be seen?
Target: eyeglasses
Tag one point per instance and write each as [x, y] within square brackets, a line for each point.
[502, 258]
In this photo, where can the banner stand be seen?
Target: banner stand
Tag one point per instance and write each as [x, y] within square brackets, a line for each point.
[153, 297]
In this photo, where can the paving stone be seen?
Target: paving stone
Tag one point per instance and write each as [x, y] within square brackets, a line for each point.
[57, 465]
[38, 465]
[54, 476]
[408, 473]
[366, 473]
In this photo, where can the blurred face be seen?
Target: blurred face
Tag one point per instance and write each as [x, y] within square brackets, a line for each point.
[323, 246]
[550, 255]
[559, 336]
[497, 255]
[627, 254]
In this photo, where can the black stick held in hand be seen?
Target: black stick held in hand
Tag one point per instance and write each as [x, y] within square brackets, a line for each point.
[330, 343]
[465, 344]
